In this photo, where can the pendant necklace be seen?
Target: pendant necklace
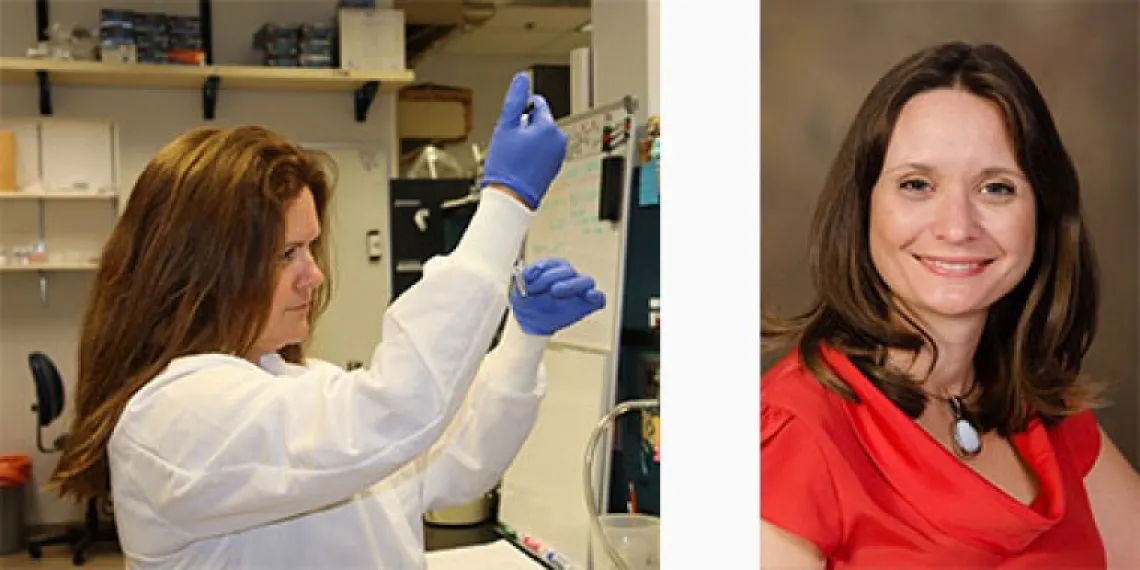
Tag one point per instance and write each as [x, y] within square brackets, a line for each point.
[965, 435]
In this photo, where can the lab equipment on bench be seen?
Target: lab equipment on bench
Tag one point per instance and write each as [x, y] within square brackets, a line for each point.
[629, 541]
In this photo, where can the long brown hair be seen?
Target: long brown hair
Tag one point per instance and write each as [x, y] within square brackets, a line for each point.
[190, 268]
[1029, 357]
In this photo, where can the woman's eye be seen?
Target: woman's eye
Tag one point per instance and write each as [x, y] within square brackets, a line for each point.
[289, 254]
[999, 188]
[914, 185]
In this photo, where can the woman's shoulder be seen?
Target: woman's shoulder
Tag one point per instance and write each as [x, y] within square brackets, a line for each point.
[795, 407]
[790, 391]
[800, 422]
[1079, 434]
[202, 384]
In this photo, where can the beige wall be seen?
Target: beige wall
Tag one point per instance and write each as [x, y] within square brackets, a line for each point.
[819, 59]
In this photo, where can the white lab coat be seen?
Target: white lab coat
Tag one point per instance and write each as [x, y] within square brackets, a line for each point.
[218, 463]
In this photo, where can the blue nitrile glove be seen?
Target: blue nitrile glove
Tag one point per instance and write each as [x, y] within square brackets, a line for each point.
[524, 156]
[556, 297]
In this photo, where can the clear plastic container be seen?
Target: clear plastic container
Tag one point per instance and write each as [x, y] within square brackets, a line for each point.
[635, 537]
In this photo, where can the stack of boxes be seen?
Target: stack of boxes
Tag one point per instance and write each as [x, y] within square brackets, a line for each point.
[186, 40]
[152, 38]
[278, 45]
[317, 42]
[306, 45]
[363, 37]
[117, 36]
[146, 37]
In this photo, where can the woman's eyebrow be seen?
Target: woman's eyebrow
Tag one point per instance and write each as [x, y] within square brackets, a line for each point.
[988, 171]
[919, 166]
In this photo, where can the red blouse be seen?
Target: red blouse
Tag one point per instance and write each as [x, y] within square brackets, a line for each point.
[872, 490]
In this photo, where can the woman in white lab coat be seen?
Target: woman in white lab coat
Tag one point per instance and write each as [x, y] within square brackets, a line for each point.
[221, 445]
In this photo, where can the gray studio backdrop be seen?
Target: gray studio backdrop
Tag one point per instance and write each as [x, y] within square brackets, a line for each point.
[819, 59]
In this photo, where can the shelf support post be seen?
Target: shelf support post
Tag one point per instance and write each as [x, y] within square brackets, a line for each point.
[363, 97]
[45, 93]
[42, 207]
[42, 20]
[206, 21]
[210, 97]
[43, 287]
[42, 23]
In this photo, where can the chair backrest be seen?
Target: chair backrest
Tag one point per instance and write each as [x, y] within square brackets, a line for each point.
[49, 388]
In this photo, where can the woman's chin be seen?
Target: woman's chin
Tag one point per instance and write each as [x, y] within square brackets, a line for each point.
[953, 310]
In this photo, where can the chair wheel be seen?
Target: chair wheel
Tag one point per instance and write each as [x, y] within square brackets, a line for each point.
[78, 559]
[34, 551]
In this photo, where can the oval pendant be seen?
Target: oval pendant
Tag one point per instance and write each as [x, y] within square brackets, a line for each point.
[966, 438]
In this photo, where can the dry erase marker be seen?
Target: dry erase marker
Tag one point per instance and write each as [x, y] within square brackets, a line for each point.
[546, 554]
[557, 560]
[552, 558]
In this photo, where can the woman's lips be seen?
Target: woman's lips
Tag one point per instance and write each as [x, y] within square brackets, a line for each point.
[954, 266]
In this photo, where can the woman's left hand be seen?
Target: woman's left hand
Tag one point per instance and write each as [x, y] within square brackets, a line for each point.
[556, 297]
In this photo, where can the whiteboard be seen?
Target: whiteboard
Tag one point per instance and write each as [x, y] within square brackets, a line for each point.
[566, 224]
[542, 494]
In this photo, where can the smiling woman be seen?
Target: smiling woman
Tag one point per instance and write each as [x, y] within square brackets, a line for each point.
[952, 216]
[934, 407]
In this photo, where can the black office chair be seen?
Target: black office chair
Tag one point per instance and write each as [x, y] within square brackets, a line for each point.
[48, 407]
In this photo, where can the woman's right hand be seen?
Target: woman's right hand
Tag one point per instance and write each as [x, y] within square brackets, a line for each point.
[524, 156]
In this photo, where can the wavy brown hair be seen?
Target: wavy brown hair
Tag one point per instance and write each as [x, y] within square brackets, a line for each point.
[1029, 356]
[190, 268]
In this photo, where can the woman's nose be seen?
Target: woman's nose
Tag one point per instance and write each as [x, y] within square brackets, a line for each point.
[317, 276]
[312, 276]
[956, 218]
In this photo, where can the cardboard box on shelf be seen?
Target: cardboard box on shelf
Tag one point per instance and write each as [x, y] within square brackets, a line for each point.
[435, 112]
[7, 161]
[371, 39]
